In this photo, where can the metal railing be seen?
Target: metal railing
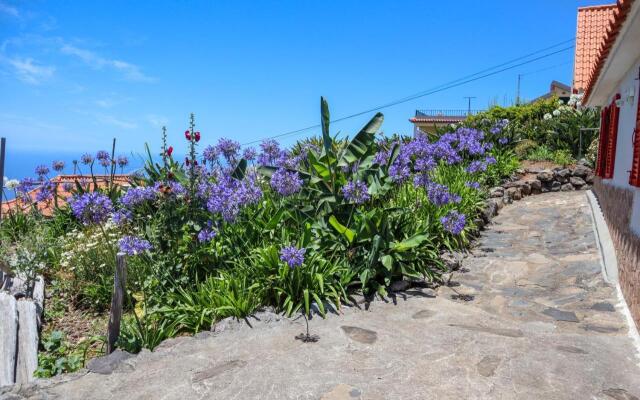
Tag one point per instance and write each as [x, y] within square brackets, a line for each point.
[446, 113]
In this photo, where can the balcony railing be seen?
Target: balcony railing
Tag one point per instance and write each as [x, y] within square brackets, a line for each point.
[446, 113]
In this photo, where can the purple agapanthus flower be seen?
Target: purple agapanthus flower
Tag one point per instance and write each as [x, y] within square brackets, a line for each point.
[91, 208]
[381, 157]
[490, 160]
[293, 256]
[229, 149]
[270, 152]
[473, 185]
[86, 159]
[476, 166]
[453, 222]
[123, 161]
[286, 183]
[133, 245]
[26, 185]
[42, 170]
[228, 195]
[439, 194]
[249, 154]
[46, 191]
[121, 217]
[58, 166]
[103, 155]
[503, 140]
[207, 233]
[210, 154]
[68, 186]
[138, 195]
[399, 172]
[356, 192]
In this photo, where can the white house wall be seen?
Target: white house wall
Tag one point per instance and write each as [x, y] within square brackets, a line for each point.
[624, 145]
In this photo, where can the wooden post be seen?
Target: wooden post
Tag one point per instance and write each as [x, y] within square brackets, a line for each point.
[8, 338]
[27, 361]
[3, 143]
[117, 300]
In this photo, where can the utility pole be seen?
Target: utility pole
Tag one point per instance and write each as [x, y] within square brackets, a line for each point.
[3, 144]
[469, 103]
[518, 90]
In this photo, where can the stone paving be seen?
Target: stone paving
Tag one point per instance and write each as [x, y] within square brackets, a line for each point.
[528, 316]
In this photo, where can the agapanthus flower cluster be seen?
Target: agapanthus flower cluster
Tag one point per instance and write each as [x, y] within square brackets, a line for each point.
[210, 154]
[453, 222]
[42, 171]
[249, 154]
[439, 194]
[121, 217]
[138, 195]
[46, 192]
[91, 208]
[58, 166]
[229, 149]
[26, 185]
[473, 185]
[381, 157]
[207, 234]
[270, 151]
[133, 245]
[499, 126]
[227, 195]
[292, 256]
[123, 161]
[104, 158]
[285, 182]
[86, 158]
[476, 166]
[356, 192]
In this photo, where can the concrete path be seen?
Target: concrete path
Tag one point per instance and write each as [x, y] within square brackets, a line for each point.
[535, 321]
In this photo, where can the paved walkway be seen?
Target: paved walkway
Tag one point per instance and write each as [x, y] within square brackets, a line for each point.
[536, 321]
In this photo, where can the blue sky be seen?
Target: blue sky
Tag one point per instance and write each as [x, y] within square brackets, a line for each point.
[74, 74]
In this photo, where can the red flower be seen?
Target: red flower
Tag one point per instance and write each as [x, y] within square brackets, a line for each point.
[197, 134]
[187, 135]
[169, 151]
[186, 161]
[195, 162]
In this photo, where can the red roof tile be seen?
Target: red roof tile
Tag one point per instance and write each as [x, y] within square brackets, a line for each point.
[590, 32]
[47, 207]
[620, 12]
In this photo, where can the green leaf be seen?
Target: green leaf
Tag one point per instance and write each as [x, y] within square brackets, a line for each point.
[305, 294]
[410, 243]
[387, 262]
[346, 232]
[359, 147]
[238, 173]
[325, 117]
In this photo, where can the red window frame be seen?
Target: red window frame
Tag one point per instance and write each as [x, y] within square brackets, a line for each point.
[612, 138]
[602, 148]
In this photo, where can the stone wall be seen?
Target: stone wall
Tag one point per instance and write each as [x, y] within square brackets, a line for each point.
[617, 205]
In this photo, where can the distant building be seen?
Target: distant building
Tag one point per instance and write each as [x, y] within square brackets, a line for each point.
[557, 89]
[429, 121]
[608, 73]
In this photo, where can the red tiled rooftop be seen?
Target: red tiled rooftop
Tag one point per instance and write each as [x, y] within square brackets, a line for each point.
[590, 33]
[619, 15]
[47, 207]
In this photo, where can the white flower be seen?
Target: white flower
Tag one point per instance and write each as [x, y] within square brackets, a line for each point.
[556, 113]
[547, 116]
[11, 183]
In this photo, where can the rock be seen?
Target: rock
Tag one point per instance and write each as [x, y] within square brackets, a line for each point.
[360, 335]
[536, 185]
[560, 315]
[490, 210]
[555, 186]
[582, 171]
[589, 178]
[545, 175]
[533, 170]
[497, 191]
[506, 199]
[399, 286]
[563, 173]
[577, 182]
[525, 189]
[567, 187]
[229, 324]
[107, 364]
[520, 171]
[514, 193]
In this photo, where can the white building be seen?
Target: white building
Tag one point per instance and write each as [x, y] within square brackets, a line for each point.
[613, 84]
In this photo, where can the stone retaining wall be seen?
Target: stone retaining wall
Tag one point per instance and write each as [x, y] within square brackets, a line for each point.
[616, 204]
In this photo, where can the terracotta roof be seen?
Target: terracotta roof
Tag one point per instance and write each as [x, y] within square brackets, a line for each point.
[47, 207]
[620, 12]
[590, 33]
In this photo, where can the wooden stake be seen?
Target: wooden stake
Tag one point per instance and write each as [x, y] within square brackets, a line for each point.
[117, 301]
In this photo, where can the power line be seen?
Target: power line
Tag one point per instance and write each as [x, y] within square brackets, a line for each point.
[455, 83]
